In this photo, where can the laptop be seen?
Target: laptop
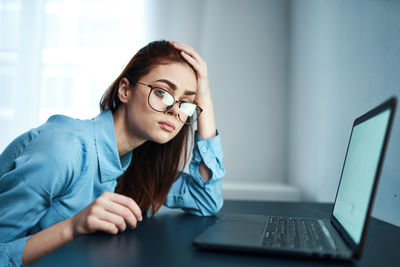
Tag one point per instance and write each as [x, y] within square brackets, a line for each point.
[343, 235]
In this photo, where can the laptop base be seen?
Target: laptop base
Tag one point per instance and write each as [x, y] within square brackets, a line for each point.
[244, 233]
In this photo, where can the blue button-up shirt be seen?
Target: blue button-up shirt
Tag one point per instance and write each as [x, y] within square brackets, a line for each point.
[50, 173]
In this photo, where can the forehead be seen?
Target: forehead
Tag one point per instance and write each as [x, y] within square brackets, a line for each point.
[180, 74]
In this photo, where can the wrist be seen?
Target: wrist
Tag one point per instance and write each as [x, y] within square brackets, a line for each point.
[68, 231]
[203, 89]
[204, 101]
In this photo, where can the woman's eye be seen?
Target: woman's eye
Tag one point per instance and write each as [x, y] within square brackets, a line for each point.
[159, 92]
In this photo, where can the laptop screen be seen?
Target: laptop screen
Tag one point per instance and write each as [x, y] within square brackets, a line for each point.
[359, 171]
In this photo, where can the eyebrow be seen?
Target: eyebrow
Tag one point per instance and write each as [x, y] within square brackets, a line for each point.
[174, 87]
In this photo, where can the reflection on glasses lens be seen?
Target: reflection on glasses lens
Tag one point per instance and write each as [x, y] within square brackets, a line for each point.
[187, 108]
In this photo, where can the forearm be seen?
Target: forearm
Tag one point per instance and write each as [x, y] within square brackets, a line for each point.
[47, 240]
[206, 129]
[206, 122]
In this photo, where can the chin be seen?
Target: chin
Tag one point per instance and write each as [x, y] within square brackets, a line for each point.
[161, 141]
[163, 138]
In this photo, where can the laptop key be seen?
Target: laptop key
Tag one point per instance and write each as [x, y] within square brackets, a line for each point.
[290, 232]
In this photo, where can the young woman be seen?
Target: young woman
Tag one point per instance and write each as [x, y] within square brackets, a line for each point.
[71, 177]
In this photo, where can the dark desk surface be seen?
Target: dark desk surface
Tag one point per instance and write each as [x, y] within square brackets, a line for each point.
[165, 240]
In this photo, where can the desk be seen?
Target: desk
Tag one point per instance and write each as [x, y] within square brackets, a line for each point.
[165, 240]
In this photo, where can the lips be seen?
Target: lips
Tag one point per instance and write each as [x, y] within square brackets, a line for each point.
[169, 127]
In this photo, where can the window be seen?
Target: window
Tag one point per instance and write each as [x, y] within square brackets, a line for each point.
[59, 56]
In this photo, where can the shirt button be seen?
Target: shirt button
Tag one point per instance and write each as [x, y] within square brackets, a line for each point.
[204, 149]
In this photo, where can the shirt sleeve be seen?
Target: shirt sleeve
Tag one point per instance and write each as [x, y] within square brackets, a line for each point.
[11, 252]
[190, 192]
[38, 174]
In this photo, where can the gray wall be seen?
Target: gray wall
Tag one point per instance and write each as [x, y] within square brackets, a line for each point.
[344, 60]
[245, 43]
[245, 46]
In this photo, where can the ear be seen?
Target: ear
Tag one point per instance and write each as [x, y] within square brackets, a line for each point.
[123, 90]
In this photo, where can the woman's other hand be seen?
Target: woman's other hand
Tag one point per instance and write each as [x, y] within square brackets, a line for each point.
[110, 212]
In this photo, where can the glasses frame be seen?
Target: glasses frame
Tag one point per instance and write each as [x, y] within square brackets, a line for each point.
[152, 87]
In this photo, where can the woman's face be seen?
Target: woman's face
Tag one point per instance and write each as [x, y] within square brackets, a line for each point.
[144, 123]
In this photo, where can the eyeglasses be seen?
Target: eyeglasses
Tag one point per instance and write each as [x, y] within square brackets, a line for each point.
[161, 100]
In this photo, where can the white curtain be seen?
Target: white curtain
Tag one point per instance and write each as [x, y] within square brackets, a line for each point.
[59, 56]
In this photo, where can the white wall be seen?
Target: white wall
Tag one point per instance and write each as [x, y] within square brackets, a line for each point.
[345, 60]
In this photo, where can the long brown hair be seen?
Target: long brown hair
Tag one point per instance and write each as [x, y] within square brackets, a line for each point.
[154, 167]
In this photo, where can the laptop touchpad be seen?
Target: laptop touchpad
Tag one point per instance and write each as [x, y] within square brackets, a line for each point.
[237, 229]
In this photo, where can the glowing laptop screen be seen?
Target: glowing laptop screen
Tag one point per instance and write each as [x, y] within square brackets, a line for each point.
[359, 173]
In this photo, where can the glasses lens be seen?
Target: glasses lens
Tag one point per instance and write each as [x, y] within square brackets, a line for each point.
[187, 108]
[188, 112]
[160, 99]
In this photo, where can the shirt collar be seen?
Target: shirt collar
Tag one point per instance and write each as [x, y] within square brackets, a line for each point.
[110, 164]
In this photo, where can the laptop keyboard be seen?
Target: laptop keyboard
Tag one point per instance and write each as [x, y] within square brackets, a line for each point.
[294, 233]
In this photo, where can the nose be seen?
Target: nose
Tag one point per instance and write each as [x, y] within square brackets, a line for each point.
[175, 109]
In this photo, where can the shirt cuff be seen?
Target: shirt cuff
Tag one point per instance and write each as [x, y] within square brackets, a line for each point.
[16, 250]
[207, 150]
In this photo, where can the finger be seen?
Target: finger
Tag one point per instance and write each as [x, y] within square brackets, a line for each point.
[127, 202]
[188, 50]
[116, 220]
[121, 211]
[104, 226]
[191, 61]
[191, 52]
[184, 47]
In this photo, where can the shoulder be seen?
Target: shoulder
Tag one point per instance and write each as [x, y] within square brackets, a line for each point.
[64, 141]
[66, 138]
[51, 156]
[67, 124]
